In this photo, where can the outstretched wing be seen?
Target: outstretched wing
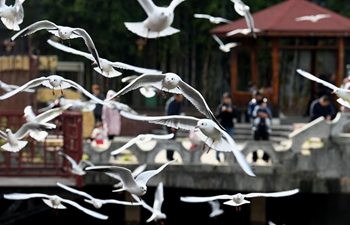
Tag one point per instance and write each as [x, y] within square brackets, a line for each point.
[148, 6]
[145, 176]
[274, 194]
[20, 196]
[138, 170]
[250, 22]
[30, 84]
[205, 16]
[214, 204]
[129, 78]
[51, 114]
[75, 191]
[174, 4]
[72, 161]
[158, 197]
[205, 199]
[316, 79]
[135, 68]
[182, 122]
[70, 50]
[142, 80]
[85, 210]
[161, 136]
[40, 25]
[27, 127]
[125, 146]
[217, 39]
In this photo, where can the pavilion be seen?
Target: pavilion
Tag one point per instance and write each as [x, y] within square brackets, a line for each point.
[280, 31]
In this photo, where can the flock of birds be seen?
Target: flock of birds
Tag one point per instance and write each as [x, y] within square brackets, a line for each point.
[157, 24]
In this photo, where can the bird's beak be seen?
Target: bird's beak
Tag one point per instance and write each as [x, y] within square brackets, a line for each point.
[94, 64]
[24, 116]
[332, 92]
[196, 127]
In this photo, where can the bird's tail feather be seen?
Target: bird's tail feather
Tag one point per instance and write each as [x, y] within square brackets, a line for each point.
[151, 218]
[10, 24]
[49, 203]
[38, 135]
[119, 190]
[111, 74]
[19, 146]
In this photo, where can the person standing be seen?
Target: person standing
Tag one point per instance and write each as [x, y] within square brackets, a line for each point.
[96, 90]
[173, 107]
[225, 114]
[111, 118]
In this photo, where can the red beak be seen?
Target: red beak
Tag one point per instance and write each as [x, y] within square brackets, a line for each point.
[332, 92]
[94, 64]
[196, 127]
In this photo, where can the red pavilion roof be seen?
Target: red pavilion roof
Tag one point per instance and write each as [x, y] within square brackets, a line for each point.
[279, 20]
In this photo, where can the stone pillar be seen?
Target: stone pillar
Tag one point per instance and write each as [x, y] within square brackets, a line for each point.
[132, 213]
[257, 211]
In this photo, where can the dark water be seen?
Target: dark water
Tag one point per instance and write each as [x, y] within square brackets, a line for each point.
[303, 208]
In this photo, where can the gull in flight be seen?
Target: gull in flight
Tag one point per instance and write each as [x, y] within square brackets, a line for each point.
[12, 16]
[41, 118]
[55, 202]
[77, 104]
[77, 168]
[215, 208]
[158, 20]
[54, 82]
[207, 130]
[10, 87]
[135, 186]
[148, 91]
[343, 94]
[244, 10]
[63, 32]
[97, 203]
[244, 31]
[239, 199]
[157, 205]
[13, 139]
[212, 19]
[172, 83]
[134, 174]
[224, 47]
[313, 18]
[107, 66]
[141, 138]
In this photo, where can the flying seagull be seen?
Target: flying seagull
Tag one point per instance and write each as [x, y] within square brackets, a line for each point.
[97, 203]
[244, 10]
[12, 16]
[134, 174]
[313, 18]
[207, 130]
[157, 204]
[54, 82]
[41, 118]
[158, 20]
[148, 91]
[13, 139]
[77, 168]
[55, 202]
[63, 32]
[239, 199]
[225, 47]
[212, 19]
[11, 87]
[172, 83]
[244, 31]
[141, 138]
[343, 94]
[135, 186]
[107, 66]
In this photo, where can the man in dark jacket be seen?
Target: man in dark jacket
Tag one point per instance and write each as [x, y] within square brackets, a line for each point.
[322, 107]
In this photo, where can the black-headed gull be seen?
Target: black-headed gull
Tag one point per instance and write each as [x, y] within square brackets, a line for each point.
[156, 210]
[239, 199]
[313, 18]
[12, 16]
[97, 203]
[244, 10]
[13, 139]
[77, 168]
[343, 94]
[41, 118]
[224, 47]
[170, 82]
[135, 186]
[54, 82]
[11, 87]
[244, 31]
[212, 19]
[215, 208]
[158, 20]
[55, 202]
[141, 138]
[207, 130]
[107, 66]
[148, 91]
[63, 32]
[134, 174]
